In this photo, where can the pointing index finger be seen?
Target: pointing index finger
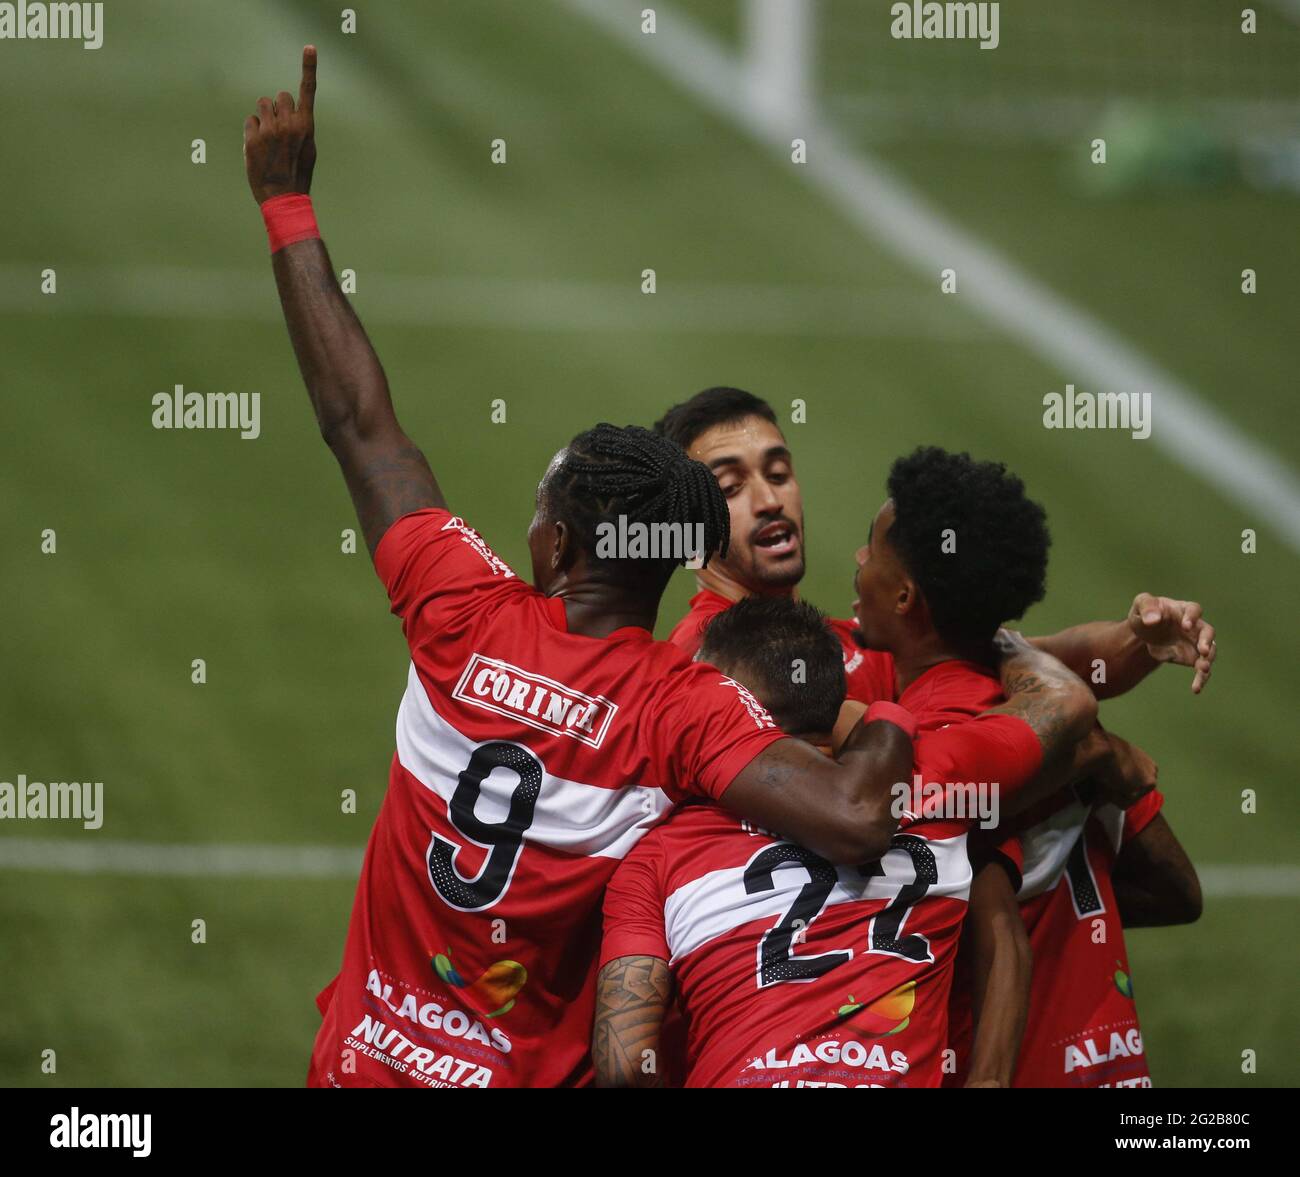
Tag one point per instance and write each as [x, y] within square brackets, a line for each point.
[307, 89]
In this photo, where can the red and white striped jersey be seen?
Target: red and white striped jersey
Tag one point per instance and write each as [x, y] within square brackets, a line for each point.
[529, 762]
[792, 972]
[1082, 1029]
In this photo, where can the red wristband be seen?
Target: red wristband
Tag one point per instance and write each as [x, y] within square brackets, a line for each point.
[891, 713]
[289, 219]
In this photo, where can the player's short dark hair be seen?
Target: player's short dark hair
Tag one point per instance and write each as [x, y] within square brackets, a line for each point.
[685, 422]
[999, 566]
[613, 471]
[758, 640]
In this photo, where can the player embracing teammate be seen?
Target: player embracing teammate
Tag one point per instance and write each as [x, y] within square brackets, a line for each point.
[923, 623]
[543, 731]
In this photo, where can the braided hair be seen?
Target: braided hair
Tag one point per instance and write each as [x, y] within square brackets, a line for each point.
[610, 471]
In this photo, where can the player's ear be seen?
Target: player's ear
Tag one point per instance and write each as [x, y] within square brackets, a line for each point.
[908, 596]
[563, 549]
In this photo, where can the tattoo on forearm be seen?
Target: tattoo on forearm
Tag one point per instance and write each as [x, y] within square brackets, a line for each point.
[1032, 698]
[632, 994]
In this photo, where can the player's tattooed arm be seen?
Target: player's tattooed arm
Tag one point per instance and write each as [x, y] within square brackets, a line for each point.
[632, 995]
[1060, 709]
[385, 472]
[1114, 656]
[1155, 881]
[841, 809]
[1045, 693]
[1001, 972]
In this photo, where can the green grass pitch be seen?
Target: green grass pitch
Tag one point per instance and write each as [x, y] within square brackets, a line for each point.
[176, 546]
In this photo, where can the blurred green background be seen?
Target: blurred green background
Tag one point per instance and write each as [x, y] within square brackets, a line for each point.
[522, 282]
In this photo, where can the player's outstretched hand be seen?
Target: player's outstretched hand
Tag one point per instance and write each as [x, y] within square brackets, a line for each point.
[1175, 631]
[280, 139]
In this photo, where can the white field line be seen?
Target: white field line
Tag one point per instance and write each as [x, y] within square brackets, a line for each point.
[1249, 882]
[94, 856]
[500, 303]
[889, 211]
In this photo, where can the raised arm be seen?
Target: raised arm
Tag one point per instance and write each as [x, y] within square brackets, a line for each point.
[386, 474]
[1156, 630]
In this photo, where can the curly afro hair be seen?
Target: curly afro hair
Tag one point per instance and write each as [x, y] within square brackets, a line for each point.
[999, 567]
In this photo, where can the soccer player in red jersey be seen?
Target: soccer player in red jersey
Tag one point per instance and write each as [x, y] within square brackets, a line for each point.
[930, 609]
[1084, 872]
[736, 435]
[542, 731]
[793, 972]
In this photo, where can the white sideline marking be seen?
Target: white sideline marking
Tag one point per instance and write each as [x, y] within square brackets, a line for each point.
[884, 207]
[501, 303]
[91, 856]
[96, 856]
[1249, 882]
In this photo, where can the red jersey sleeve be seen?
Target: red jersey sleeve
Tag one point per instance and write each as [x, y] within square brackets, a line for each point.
[634, 905]
[998, 749]
[437, 569]
[1141, 813]
[688, 633]
[712, 728]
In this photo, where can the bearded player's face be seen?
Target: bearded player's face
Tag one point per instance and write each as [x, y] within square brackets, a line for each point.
[753, 467]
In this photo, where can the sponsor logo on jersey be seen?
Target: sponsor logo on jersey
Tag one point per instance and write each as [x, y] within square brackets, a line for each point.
[1087, 1053]
[539, 702]
[455, 1023]
[497, 987]
[470, 536]
[833, 1052]
[391, 1047]
[884, 1017]
[757, 712]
